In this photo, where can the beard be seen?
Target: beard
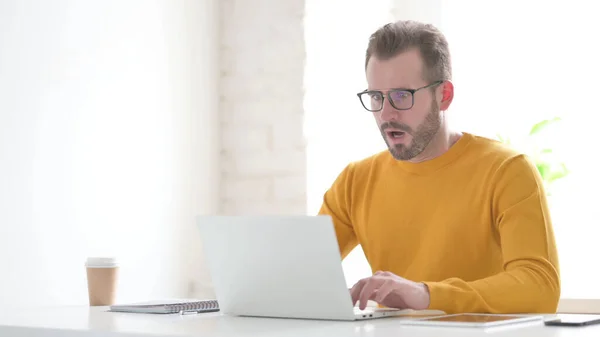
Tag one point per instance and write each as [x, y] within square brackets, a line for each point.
[420, 138]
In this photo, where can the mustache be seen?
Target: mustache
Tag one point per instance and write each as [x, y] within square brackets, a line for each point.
[398, 126]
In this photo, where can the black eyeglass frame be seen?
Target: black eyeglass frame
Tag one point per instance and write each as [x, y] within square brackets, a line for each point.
[387, 95]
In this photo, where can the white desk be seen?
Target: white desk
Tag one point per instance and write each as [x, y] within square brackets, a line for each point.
[92, 322]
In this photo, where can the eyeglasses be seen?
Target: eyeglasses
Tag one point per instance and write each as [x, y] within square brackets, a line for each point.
[401, 99]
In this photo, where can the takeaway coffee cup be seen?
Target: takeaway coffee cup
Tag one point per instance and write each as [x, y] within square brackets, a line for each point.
[102, 275]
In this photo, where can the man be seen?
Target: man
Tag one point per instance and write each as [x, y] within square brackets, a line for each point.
[447, 220]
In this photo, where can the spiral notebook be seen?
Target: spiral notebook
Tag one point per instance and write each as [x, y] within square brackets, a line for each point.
[168, 307]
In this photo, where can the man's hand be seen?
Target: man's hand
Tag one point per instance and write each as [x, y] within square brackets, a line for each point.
[391, 291]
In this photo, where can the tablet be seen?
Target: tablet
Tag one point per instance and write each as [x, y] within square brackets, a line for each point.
[474, 320]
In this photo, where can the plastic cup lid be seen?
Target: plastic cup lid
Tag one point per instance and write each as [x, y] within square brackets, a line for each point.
[101, 262]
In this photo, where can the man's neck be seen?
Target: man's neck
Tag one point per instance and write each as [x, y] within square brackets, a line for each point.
[440, 144]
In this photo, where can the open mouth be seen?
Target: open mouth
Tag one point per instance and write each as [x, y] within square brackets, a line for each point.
[395, 134]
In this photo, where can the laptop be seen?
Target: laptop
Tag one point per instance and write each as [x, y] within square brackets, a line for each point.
[281, 267]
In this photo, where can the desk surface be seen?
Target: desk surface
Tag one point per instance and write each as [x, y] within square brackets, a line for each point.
[84, 321]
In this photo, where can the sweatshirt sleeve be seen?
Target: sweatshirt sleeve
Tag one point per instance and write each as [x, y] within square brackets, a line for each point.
[336, 204]
[530, 282]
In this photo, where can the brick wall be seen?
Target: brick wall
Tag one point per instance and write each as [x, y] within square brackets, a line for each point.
[263, 153]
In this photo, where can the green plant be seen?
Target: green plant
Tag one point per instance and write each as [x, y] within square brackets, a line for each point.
[550, 167]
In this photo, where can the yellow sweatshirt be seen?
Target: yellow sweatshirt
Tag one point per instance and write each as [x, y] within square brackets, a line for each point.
[472, 224]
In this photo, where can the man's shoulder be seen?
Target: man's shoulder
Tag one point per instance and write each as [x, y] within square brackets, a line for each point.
[498, 155]
[369, 163]
[357, 173]
[492, 149]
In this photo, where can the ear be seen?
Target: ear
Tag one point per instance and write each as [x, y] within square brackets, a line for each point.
[447, 95]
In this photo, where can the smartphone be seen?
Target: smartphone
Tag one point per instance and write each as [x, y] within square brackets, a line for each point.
[573, 320]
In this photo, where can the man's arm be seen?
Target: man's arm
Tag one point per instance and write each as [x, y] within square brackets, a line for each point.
[336, 203]
[530, 282]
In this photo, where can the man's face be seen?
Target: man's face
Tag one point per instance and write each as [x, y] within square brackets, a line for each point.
[406, 132]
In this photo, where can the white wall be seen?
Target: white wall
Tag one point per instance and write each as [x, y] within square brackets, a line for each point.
[262, 115]
[108, 145]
